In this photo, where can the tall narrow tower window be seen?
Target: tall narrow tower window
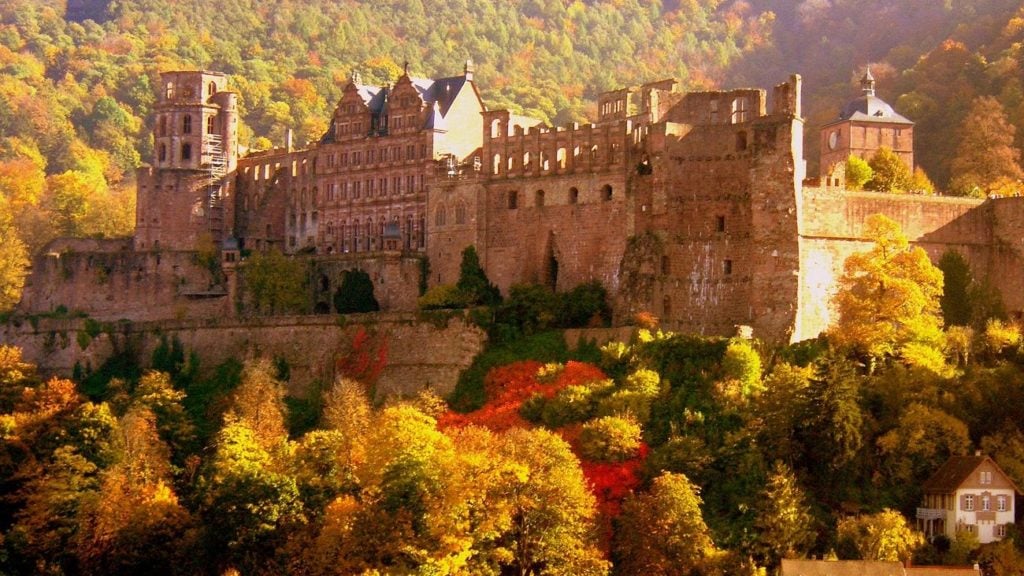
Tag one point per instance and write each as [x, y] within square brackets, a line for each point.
[209, 124]
[186, 124]
[186, 151]
[162, 153]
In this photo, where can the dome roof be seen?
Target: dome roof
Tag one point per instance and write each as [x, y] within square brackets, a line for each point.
[871, 108]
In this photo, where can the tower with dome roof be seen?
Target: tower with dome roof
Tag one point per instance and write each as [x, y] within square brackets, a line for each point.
[866, 124]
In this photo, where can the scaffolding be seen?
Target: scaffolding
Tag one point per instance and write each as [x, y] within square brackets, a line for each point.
[216, 165]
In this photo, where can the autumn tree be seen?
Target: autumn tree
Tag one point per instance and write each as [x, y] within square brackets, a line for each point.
[13, 259]
[858, 172]
[888, 299]
[888, 172]
[883, 536]
[662, 531]
[275, 284]
[987, 160]
[784, 525]
[259, 402]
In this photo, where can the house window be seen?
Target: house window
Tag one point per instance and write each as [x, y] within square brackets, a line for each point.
[986, 503]
[969, 502]
[999, 530]
[1001, 503]
[986, 477]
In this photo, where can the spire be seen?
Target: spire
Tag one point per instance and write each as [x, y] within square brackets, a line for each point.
[468, 70]
[867, 83]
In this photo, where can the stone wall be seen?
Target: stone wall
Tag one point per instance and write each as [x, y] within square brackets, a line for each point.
[418, 354]
[109, 281]
[986, 233]
[395, 276]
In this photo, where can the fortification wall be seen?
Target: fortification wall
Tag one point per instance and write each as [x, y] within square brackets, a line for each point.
[110, 281]
[717, 216]
[418, 354]
[580, 222]
[986, 233]
[396, 278]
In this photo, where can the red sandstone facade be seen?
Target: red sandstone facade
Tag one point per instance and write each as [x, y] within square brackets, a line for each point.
[688, 205]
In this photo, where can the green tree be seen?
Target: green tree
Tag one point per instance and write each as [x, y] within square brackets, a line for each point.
[355, 295]
[473, 282]
[888, 172]
[832, 425]
[987, 160]
[883, 536]
[888, 299]
[783, 524]
[275, 284]
[662, 531]
[858, 172]
[956, 280]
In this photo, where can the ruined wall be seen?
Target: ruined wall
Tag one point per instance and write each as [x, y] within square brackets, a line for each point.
[418, 354]
[831, 229]
[717, 216]
[457, 221]
[109, 281]
[396, 278]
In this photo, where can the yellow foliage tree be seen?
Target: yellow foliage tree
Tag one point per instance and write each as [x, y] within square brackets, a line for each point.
[888, 300]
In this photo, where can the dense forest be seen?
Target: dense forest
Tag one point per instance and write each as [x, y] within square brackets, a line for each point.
[77, 77]
[668, 454]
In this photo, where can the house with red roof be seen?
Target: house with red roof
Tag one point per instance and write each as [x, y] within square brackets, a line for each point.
[968, 494]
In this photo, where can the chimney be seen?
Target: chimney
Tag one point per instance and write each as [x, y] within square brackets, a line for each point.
[468, 70]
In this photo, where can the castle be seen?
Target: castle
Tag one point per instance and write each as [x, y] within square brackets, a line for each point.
[694, 206]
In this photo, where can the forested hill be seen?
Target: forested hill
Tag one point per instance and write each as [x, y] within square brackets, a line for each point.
[77, 76]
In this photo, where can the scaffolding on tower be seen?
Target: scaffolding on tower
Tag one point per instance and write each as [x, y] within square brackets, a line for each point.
[216, 163]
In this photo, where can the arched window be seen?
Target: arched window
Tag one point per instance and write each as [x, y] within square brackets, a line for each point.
[606, 192]
[439, 215]
[574, 195]
[209, 124]
[315, 194]
[495, 128]
[496, 165]
[593, 153]
[186, 151]
[538, 198]
[407, 237]
[212, 88]
[666, 306]
[460, 213]
[186, 124]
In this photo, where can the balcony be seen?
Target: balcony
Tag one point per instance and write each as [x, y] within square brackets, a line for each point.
[931, 514]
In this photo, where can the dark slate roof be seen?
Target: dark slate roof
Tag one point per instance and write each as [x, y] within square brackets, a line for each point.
[870, 108]
[955, 471]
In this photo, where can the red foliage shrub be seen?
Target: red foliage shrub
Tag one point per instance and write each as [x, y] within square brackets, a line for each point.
[366, 357]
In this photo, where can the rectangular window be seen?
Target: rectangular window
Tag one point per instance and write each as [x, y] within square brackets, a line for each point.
[969, 502]
[344, 158]
[986, 503]
[1001, 503]
[727, 267]
[356, 189]
[720, 223]
[986, 477]
[999, 530]
[410, 152]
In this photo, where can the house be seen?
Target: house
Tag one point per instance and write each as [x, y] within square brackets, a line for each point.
[971, 494]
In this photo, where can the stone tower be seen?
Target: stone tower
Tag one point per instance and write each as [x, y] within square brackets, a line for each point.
[183, 195]
[866, 124]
